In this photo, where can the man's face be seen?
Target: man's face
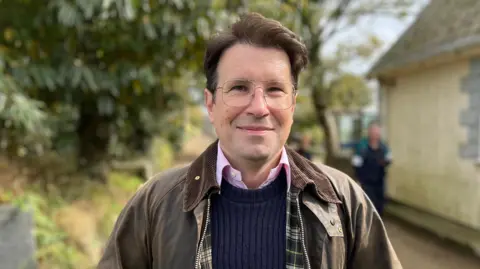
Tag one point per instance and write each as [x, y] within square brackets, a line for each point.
[374, 132]
[256, 131]
[306, 140]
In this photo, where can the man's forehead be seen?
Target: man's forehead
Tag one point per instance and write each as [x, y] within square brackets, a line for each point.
[374, 127]
[252, 63]
[260, 76]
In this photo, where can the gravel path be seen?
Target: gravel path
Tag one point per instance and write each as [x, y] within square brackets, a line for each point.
[418, 250]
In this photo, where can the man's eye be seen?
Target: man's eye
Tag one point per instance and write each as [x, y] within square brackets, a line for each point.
[240, 88]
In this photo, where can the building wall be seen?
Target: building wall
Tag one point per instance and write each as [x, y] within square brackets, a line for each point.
[423, 113]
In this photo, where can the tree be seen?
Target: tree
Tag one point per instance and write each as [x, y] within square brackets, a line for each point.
[318, 23]
[23, 124]
[111, 63]
[348, 91]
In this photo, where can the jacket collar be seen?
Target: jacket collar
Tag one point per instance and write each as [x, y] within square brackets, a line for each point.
[201, 175]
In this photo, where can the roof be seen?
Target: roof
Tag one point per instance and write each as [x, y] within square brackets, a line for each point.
[443, 26]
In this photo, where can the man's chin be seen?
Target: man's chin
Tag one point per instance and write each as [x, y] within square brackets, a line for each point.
[256, 153]
[258, 159]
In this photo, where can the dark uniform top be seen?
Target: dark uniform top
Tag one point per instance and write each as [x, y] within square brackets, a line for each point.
[370, 168]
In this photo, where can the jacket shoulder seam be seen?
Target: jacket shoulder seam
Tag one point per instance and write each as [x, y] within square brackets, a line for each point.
[177, 174]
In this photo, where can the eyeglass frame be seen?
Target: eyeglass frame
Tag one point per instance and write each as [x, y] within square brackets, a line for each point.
[294, 92]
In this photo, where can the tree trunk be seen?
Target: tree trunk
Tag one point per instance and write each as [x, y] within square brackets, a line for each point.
[320, 100]
[327, 122]
[93, 131]
[333, 157]
[358, 127]
[323, 117]
[330, 130]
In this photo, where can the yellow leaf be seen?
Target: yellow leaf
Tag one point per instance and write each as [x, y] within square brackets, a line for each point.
[8, 34]
[3, 49]
[56, 107]
[33, 49]
[137, 87]
[100, 53]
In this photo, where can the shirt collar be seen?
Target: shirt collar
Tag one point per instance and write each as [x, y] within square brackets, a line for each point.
[225, 170]
[200, 178]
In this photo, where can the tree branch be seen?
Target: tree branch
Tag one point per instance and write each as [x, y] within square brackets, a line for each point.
[302, 12]
[381, 8]
[335, 18]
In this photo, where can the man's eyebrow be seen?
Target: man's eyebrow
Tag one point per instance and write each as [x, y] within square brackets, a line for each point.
[241, 79]
[259, 81]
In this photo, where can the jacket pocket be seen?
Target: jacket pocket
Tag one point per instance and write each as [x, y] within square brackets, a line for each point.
[325, 234]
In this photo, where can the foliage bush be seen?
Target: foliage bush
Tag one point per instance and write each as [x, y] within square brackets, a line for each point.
[53, 245]
[163, 154]
[24, 126]
[121, 67]
[57, 247]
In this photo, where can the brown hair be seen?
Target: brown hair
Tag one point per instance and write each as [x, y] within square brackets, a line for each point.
[255, 29]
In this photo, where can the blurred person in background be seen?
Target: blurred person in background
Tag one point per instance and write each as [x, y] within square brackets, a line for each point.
[370, 160]
[305, 147]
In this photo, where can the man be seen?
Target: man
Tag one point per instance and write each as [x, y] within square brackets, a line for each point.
[305, 147]
[248, 201]
[370, 161]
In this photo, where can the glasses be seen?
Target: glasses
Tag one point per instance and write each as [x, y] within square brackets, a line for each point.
[240, 93]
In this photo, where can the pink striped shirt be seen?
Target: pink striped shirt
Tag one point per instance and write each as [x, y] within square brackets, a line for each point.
[234, 177]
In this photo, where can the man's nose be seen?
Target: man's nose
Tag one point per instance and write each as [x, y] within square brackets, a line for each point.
[258, 107]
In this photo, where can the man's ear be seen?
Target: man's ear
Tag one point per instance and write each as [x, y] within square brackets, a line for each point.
[209, 100]
[294, 102]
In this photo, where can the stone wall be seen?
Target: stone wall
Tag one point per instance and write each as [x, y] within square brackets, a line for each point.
[470, 117]
[17, 244]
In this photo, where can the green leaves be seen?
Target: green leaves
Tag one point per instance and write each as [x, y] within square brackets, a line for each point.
[128, 55]
[68, 14]
[349, 91]
[23, 122]
[125, 55]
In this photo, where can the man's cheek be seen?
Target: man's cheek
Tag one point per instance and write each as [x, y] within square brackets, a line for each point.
[284, 120]
[226, 120]
[229, 116]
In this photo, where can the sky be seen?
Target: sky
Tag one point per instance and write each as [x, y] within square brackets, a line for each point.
[387, 28]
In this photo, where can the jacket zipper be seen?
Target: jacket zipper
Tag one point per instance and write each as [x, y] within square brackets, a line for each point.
[202, 238]
[302, 234]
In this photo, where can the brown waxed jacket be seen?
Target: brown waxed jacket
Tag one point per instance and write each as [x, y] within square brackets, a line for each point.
[160, 227]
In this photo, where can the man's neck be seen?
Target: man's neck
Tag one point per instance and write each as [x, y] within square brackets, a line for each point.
[254, 178]
[254, 173]
[374, 143]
